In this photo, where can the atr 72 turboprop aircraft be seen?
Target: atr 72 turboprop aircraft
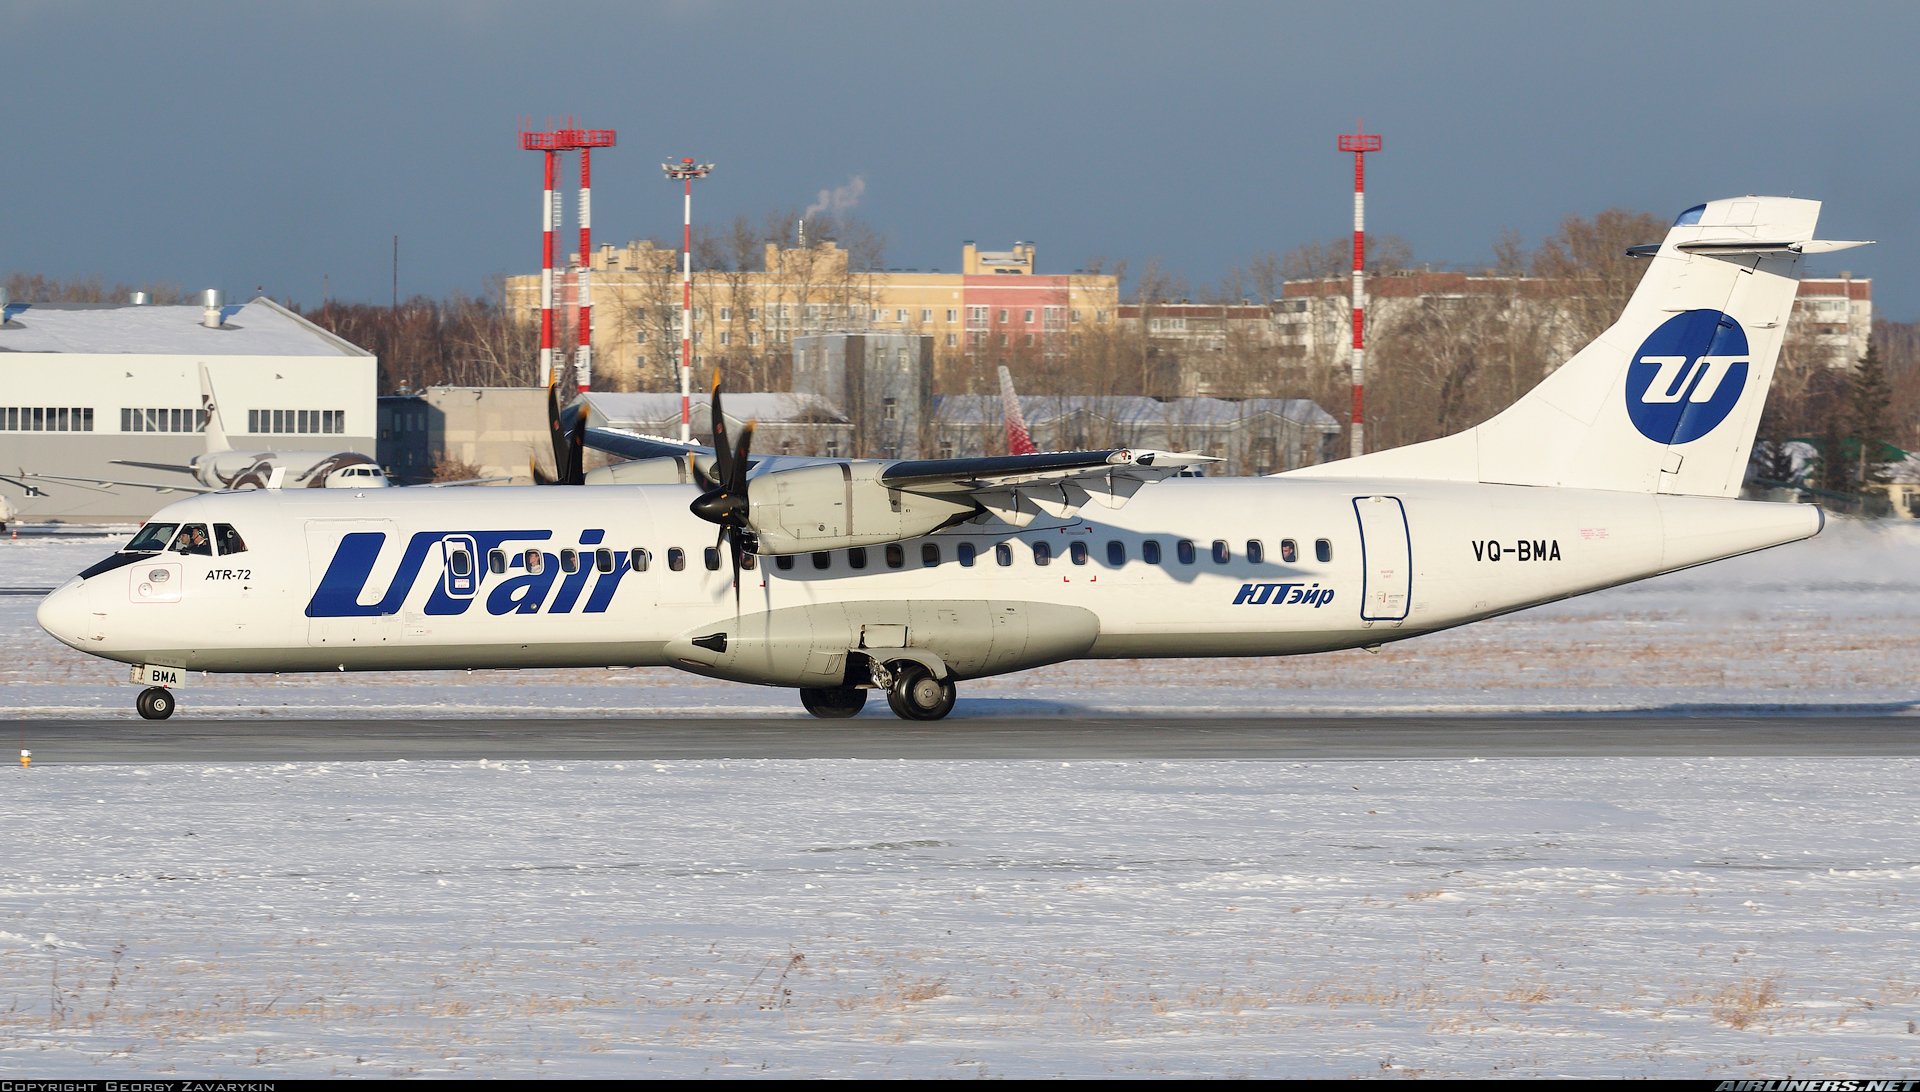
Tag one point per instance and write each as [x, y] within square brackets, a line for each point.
[839, 577]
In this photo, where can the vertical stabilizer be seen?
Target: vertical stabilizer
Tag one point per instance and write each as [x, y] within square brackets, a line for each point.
[216, 426]
[1019, 440]
[1668, 399]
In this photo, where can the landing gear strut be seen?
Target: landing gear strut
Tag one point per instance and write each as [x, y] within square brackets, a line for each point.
[155, 703]
[917, 695]
[833, 703]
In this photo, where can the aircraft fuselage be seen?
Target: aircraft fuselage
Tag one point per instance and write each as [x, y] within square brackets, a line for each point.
[626, 576]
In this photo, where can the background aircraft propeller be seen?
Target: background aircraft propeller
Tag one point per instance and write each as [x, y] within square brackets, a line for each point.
[568, 428]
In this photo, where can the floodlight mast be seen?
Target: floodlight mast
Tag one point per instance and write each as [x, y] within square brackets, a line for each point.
[686, 170]
[1359, 144]
[552, 143]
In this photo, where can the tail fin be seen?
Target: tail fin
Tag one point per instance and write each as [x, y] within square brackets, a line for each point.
[1019, 440]
[1668, 399]
[210, 408]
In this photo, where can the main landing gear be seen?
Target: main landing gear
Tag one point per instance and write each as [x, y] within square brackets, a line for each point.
[833, 703]
[155, 703]
[912, 693]
[917, 695]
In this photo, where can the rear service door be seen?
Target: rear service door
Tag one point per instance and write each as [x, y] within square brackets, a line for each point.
[1386, 559]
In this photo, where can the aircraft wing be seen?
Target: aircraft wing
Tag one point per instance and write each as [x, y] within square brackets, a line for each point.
[634, 445]
[637, 446]
[153, 466]
[461, 482]
[1017, 487]
[100, 484]
[18, 482]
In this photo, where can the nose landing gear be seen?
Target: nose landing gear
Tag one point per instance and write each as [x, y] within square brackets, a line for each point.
[155, 703]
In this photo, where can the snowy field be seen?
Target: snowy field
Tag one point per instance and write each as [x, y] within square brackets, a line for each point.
[1731, 917]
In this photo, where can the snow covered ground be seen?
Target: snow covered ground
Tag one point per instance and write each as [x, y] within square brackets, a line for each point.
[1528, 917]
[1623, 917]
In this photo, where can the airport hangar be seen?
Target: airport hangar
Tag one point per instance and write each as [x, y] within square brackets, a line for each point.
[87, 384]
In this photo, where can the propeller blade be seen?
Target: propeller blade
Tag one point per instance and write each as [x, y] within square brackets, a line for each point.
[721, 451]
[557, 433]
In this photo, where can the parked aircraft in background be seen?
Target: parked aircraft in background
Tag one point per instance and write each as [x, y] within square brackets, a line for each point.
[226, 467]
[842, 577]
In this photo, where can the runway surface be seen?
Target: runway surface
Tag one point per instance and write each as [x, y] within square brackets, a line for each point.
[129, 740]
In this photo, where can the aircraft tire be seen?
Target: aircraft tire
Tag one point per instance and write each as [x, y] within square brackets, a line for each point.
[833, 702]
[917, 695]
[155, 703]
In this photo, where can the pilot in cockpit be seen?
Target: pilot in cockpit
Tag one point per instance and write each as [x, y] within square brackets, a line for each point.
[194, 540]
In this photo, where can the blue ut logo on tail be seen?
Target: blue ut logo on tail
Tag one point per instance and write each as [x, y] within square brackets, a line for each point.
[1687, 376]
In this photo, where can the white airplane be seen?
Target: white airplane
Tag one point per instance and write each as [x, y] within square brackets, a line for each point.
[909, 577]
[226, 467]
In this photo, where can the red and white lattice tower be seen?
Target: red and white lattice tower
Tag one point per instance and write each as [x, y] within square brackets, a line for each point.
[686, 170]
[553, 142]
[1359, 144]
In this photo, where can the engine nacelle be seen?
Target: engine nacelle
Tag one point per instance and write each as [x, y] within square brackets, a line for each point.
[659, 471]
[837, 505]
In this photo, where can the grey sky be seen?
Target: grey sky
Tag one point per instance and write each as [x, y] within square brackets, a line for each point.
[235, 145]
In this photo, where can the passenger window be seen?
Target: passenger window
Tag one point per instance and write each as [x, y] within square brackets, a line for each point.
[784, 563]
[676, 558]
[1323, 549]
[857, 557]
[603, 560]
[638, 559]
[1184, 551]
[193, 540]
[229, 539]
[151, 540]
[460, 563]
[496, 561]
[1150, 551]
[1221, 552]
[1289, 552]
[1078, 552]
[964, 552]
[1256, 552]
[569, 561]
[1116, 553]
[1003, 553]
[929, 555]
[711, 555]
[536, 561]
[821, 559]
[896, 555]
[1042, 553]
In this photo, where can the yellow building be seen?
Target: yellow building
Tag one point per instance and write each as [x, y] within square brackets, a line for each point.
[748, 319]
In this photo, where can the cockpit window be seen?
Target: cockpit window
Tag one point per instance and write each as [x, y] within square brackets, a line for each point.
[229, 539]
[193, 540]
[152, 539]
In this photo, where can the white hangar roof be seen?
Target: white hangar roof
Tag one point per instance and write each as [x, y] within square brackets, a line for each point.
[260, 327]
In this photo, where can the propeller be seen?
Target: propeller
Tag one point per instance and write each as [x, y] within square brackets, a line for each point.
[569, 446]
[724, 502]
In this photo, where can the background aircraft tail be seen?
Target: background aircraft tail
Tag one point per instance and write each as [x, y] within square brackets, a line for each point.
[210, 408]
[1019, 440]
[1668, 399]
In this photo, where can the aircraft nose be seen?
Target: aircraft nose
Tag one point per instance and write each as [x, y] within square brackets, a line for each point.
[64, 614]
